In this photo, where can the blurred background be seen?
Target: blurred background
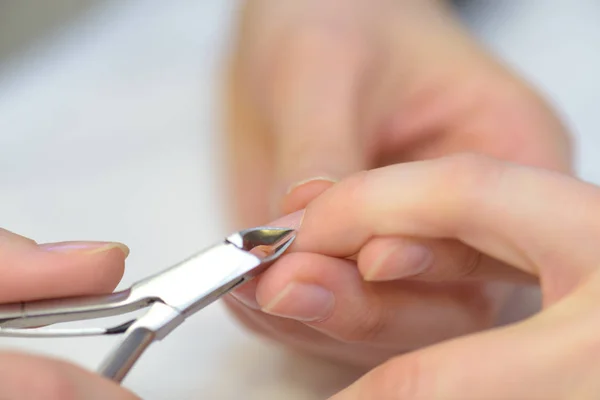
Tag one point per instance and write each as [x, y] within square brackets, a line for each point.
[109, 129]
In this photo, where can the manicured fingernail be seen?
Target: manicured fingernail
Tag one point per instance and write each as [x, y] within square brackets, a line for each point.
[303, 182]
[303, 191]
[303, 302]
[400, 262]
[291, 221]
[84, 247]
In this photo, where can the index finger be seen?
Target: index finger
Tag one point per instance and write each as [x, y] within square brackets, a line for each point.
[29, 271]
[541, 222]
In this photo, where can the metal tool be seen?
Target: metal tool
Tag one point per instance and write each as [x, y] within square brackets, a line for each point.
[171, 296]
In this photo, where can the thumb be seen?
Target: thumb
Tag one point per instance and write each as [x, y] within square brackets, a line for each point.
[313, 106]
[31, 271]
[546, 357]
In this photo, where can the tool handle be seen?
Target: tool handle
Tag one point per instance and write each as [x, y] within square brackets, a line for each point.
[118, 364]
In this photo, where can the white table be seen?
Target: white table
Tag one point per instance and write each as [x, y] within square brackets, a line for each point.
[108, 131]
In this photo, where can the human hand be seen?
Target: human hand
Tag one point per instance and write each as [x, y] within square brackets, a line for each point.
[31, 272]
[545, 224]
[328, 88]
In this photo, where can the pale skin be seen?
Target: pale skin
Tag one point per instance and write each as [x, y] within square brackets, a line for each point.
[325, 89]
[543, 224]
[319, 90]
[32, 271]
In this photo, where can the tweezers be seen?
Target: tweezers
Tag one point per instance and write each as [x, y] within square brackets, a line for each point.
[171, 296]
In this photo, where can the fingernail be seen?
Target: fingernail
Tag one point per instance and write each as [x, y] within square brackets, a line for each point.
[303, 182]
[400, 262]
[304, 191]
[84, 247]
[303, 302]
[291, 221]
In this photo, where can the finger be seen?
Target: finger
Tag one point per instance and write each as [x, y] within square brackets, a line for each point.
[297, 317]
[508, 363]
[392, 258]
[30, 271]
[244, 306]
[291, 333]
[25, 377]
[299, 337]
[500, 209]
[291, 104]
[312, 108]
[246, 294]
[368, 322]
[329, 295]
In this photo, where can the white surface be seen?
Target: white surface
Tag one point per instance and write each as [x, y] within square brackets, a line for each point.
[108, 131]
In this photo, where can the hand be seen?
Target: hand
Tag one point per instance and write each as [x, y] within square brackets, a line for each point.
[544, 224]
[323, 89]
[31, 272]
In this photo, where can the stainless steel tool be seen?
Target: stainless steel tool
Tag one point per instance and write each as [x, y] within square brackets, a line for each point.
[171, 296]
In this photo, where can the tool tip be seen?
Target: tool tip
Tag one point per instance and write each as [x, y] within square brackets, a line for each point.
[248, 239]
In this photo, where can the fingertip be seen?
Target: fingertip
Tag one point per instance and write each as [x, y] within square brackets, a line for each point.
[104, 269]
[113, 246]
[299, 194]
[38, 272]
[278, 277]
[301, 286]
[296, 267]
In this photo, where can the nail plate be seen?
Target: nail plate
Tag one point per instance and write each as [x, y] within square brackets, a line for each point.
[303, 182]
[297, 195]
[303, 302]
[84, 247]
[400, 262]
[291, 221]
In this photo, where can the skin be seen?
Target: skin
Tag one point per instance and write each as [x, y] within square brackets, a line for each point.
[514, 213]
[324, 90]
[32, 271]
[499, 208]
[320, 90]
